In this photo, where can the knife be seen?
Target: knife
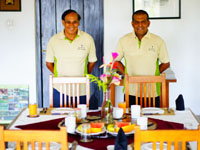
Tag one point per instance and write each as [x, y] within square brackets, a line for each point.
[150, 113]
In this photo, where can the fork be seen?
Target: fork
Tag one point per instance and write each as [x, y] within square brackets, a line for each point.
[45, 110]
[168, 109]
[74, 144]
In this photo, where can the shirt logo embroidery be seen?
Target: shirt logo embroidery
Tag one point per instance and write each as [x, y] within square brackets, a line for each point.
[152, 49]
[81, 47]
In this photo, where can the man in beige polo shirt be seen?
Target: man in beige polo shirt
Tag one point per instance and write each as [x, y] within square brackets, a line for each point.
[71, 52]
[144, 53]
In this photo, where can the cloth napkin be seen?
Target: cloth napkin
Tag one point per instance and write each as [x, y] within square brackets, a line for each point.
[121, 141]
[180, 103]
[93, 104]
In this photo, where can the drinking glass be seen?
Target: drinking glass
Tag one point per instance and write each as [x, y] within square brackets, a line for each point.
[85, 130]
[122, 105]
[33, 110]
[78, 114]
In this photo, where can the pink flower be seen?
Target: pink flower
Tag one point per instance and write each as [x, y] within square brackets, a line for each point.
[103, 77]
[115, 80]
[114, 55]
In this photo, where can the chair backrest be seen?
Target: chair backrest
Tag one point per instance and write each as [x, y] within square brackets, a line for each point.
[25, 137]
[73, 86]
[178, 138]
[147, 87]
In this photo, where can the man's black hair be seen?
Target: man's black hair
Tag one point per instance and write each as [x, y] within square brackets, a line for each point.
[140, 12]
[68, 12]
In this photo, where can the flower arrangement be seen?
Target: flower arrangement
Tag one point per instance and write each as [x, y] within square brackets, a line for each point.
[110, 75]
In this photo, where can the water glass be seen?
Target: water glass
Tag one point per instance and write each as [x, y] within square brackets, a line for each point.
[70, 123]
[135, 111]
[85, 133]
[83, 110]
[142, 122]
[78, 114]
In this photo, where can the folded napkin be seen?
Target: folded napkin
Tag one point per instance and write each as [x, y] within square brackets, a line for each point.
[93, 104]
[44, 125]
[121, 141]
[180, 103]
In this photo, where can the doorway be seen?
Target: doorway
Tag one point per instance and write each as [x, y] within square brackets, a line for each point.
[48, 22]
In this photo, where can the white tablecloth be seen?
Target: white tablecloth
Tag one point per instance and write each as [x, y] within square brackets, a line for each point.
[186, 117]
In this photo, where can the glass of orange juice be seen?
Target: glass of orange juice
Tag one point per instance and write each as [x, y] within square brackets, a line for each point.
[33, 110]
[122, 105]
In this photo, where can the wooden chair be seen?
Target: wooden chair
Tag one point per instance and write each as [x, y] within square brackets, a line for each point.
[147, 87]
[25, 137]
[73, 85]
[178, 138]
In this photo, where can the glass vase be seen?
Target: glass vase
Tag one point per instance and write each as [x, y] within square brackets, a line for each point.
[107, 107]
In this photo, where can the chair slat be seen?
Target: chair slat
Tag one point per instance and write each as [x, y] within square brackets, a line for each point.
[169, 145]
[141, 101]
[161, 145]
[33, 145]
[69, 94]
[78, 93]
[65, 95]
[154, 94]
[183, 145]
[136, 94]
[47, 145]
[18, 145]
[154, 145]
[61, 98]
[40, 145]
[145, 95]
[149, 94]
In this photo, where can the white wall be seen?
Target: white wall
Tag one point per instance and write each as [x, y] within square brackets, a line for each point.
[17, 47]
[17, 50]
[182, 39]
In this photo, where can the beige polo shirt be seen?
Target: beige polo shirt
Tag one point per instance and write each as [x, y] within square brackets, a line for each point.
[141, 60]
[69, 56]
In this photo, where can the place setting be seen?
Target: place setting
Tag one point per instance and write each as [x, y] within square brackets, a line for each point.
[157, 111]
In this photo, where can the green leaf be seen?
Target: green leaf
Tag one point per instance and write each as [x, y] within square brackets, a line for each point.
[98, 81]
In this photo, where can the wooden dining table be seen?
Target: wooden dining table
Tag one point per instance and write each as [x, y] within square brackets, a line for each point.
[22, 121]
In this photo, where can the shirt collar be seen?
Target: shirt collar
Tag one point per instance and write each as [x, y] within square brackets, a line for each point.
[148, 35]
[62, 34]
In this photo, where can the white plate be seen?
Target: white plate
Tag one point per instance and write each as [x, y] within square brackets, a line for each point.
[115, 133]
[112, 147]
[94, 110]
[62, 110]
[103, 131]
[53, 146]
[152, 110]
[149, 146]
